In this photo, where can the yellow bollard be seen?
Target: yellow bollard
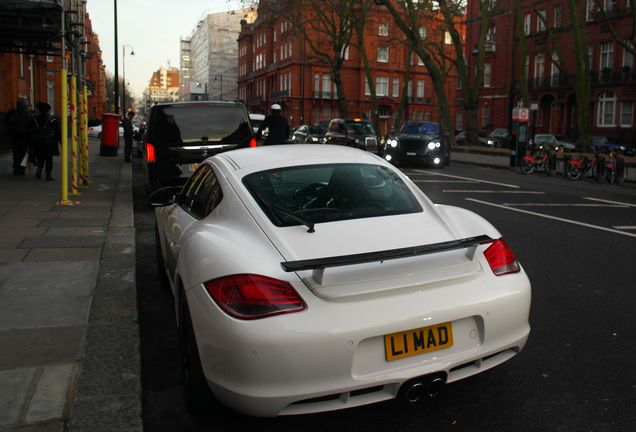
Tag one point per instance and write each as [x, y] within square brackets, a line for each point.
[83, 138]
[64, 130]
[74, 165]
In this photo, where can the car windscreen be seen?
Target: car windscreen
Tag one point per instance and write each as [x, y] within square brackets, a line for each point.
[420, 128]
[256, 123]
[177, 124]
[329, 192]
[360, 128]
[316, 130]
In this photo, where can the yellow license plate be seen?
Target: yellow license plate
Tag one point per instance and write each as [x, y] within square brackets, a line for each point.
[418, 341]
[193, 167]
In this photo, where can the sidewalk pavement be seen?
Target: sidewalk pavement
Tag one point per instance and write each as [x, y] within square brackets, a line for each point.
[69, 338]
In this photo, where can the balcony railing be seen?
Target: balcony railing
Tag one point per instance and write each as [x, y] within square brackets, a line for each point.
[614, 76]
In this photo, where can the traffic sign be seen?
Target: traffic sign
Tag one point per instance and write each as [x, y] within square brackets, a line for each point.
[524, 114]
[515, 114]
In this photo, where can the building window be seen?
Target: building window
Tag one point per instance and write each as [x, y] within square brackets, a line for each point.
[485, 116]
[420, 89]
[487, 74]
[383, 29]
[554, 70]
[422, 31]
[590, 55]
[345, 53]
[628, 56]
[21, 72]
[491, 35]
[459, 121]
[606, 110]
[396, 87]
[367, 89]
[558, 16]
[542, 18]
[383, 54]
[538, 69]
[526, 24]
[589, 10]
[448, 40]
[317, 85]
[382, 86]
[609, 5]
[607, 55]
[627, 114]
[326, 86]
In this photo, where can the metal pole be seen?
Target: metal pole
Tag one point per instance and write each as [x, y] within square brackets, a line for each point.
[64, 118]
[116, 63]
[123, 86]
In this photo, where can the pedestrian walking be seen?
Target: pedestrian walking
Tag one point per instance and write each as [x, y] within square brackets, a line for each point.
[277, 125]
[128, 134]
[44, 137]
[17, 122]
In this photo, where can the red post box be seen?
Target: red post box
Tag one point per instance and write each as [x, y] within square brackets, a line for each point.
[110, 135]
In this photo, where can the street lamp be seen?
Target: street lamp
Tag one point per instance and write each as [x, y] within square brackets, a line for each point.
[132, 52]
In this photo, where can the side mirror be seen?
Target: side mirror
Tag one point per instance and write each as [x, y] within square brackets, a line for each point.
[164, 196]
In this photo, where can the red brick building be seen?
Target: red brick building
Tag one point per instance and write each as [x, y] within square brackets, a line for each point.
[546, 26]
[277, 65]
[37, 78]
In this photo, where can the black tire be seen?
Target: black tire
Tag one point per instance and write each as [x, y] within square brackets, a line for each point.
[199, 398]
[527, 167]
[573, 172]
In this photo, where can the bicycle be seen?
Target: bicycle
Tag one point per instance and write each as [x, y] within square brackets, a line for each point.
[615, 170]
[576, 168]
[543, 158]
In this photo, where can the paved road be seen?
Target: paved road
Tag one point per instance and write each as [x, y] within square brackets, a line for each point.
[577, 243]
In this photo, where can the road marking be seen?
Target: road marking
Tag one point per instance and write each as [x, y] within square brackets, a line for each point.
[626, 227]
[468, 178]
[492, 191]
[563, 205]
[570, 221]
[611, 202]
[445, 181]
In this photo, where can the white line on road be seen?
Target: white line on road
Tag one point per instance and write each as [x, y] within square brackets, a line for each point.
[445, 181]
[570, 221]
[626, 227]
[611, 202]
[492, 191]
[563, 205]
[468, 178]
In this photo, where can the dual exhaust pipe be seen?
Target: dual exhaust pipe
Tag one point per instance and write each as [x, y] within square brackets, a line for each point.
[416, 389]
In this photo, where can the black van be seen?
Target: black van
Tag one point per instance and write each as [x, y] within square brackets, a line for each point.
[182, 134]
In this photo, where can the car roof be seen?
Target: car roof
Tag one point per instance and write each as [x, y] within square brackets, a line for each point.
[288, 155]
[197, 103]
[257, 116]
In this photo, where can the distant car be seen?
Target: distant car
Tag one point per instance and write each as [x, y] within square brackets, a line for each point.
[417, 142]
[256, 120]
[96, 131]
[306, 134]
[602, 143]
[460, 139]
[355, 133]
[310, 278]
[544, 139]
[501, 137]
[180, 135]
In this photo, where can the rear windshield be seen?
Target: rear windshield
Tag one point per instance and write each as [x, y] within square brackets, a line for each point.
[184, 124]
[333, 192]
[360, 128]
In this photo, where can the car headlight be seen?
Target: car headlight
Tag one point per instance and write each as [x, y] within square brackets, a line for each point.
[491, 142]
[314, 139]
[357, 141]
[431, 145]
[392, 142]
[438, 144]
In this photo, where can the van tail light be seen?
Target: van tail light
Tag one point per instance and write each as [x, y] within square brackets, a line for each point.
[249, 297]
[501, 259]
[253, 142]
[150, 153]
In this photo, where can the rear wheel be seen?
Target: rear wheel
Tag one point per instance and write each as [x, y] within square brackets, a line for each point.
[198, 395]
[527, 167]
[573, 172]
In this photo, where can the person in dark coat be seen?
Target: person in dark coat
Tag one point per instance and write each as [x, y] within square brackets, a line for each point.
[44, 137]
[17, 121]
[128, 135]
[277, 125]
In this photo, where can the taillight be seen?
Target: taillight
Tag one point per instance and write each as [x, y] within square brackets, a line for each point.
[248, 297]
[150, 152]
[501, 259]
[253, 142]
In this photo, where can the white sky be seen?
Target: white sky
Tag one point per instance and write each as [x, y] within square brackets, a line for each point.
[153, 28]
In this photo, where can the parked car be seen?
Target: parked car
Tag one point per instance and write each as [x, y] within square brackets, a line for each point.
[500, 137]
[356, 133]
[460, 139]
[96, 131]
[182, 134]
[417, 142]
[356, 288]
[601, 143]
[306, 134]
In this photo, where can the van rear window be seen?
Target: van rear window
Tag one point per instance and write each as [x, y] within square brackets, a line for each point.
[184, 124]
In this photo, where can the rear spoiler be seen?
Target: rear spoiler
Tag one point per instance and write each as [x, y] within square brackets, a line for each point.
[345, 260]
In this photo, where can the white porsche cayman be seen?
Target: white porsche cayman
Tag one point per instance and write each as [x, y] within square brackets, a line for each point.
[310, 278]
